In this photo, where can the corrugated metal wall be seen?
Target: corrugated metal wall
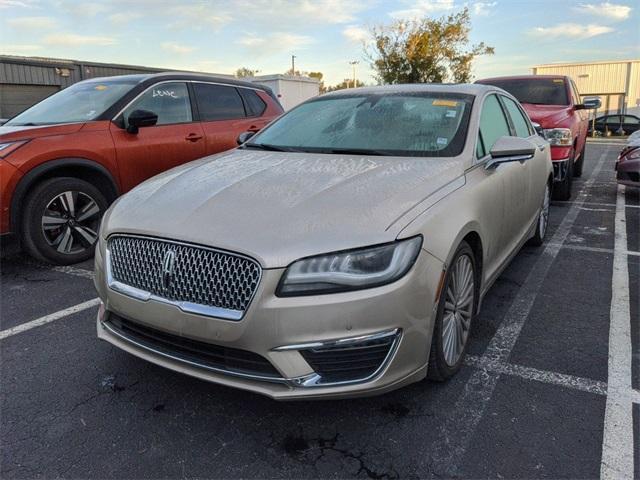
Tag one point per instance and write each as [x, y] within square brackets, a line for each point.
[610, 80]
[19, 77]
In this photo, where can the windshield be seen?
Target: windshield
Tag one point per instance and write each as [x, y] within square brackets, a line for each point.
[80, 102]
[538, 91]
[404, 124]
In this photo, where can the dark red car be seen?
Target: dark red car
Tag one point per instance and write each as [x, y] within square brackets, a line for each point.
[64, 160]
[554, 103]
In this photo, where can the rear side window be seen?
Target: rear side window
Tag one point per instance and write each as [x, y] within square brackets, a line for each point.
[520, 123]
[254, 104]
[493, 123]
[170, 101]
[218, 102]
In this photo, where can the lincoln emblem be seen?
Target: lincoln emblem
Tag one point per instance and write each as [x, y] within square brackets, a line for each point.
[167, 268]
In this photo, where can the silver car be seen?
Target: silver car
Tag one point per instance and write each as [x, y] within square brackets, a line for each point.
[344, 250]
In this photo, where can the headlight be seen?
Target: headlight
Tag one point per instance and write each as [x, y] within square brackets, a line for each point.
[8, 147]
[559, 136]
[350, 270]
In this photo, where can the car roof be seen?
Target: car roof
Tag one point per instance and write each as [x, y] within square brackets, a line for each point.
[460, 88]
[519, 77]
[149, 77]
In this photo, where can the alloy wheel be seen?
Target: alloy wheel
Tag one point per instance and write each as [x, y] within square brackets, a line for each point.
[458, 309]
[70, 222]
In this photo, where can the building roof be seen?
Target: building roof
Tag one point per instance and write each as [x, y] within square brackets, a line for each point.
[598, 62]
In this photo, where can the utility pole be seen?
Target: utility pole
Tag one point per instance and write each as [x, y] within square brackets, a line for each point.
[293, 64]
[353, 64]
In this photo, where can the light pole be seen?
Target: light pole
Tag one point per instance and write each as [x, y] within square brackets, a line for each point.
[293, 64]
[353, 64]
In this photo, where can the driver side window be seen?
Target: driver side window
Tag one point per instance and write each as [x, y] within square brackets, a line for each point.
[493, 123]
[170, 101]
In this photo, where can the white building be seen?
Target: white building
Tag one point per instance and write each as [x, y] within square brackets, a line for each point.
[290, 90]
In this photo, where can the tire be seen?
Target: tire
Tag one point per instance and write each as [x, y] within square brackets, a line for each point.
[577, 167]
[562, 190]
[446, 358]
[543, 219]
[73, 209]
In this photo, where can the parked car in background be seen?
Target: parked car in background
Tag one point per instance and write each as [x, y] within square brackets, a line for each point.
[628, 163]
[615, 125]
[65, 159]
[343, 250]
[554, 103]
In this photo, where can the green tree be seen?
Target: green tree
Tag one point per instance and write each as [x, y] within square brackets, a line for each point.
[318, 76]
[346, 83]
[425, 50]
[245, 72]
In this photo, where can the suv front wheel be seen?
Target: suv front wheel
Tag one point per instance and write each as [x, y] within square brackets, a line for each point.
[60, 220]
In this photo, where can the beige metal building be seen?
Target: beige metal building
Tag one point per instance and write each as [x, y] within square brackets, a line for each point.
[616, 82]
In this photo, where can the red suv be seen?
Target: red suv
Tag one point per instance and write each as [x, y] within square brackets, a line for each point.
[64, 160]
[554, 103]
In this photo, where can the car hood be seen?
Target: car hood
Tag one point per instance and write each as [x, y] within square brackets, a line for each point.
[548, 116]
[278, 207]
[10, 133]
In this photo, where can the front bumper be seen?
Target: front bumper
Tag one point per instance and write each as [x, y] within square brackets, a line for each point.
[292, 334]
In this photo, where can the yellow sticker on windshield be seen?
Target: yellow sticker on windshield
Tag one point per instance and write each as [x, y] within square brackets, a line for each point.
[445, 103]
[100, 87]
[558, 80]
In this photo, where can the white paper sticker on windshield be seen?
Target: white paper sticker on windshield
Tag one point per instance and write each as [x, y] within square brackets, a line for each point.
[452, 113]
[441, 141]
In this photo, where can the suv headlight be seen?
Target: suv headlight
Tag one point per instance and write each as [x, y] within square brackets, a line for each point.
[350, 270]
[559, 136]
[8, 147]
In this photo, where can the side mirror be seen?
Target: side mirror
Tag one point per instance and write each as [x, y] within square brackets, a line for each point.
[244, 137]
[510, 149]
[538, 128]
[589, 103]
[141, 118]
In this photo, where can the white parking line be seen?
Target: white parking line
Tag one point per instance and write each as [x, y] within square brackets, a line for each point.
[78, 272]
[48, 318]
[599, 249]
[617, 441]
[598, 204]
[457, 430]
[544, 376]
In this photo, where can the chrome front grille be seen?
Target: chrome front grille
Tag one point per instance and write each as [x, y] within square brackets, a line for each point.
[197, 279]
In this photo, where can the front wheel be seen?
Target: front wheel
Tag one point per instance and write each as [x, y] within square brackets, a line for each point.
[543, 219]
[60, 220]
[577, 168]
[456, 309]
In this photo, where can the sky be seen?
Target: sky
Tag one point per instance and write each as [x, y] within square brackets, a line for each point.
[325, 35]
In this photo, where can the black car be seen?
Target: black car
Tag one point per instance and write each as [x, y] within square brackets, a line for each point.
[616, 124]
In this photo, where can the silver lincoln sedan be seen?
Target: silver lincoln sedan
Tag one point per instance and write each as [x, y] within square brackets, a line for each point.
[344, 250]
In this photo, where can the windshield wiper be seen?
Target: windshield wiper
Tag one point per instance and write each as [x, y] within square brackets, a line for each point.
[266, 146]
[359, 151]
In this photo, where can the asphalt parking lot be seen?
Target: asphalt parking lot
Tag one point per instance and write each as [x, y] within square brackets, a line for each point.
[547, 390]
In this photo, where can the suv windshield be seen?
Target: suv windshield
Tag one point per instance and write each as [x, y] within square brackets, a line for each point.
[403, 124]
[538, 91]
[80, 102]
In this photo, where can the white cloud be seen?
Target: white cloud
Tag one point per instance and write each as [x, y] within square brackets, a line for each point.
[88, 9]
[327, 11]
[276, 42]
[423, 8]
[356, 34]
[483, 8]
[14, 3]
[19, 49]
[606, 9]
[75, 40]
[173, 47]
[32, 23]
[123, 18]
[571, 30]
[199, 16]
